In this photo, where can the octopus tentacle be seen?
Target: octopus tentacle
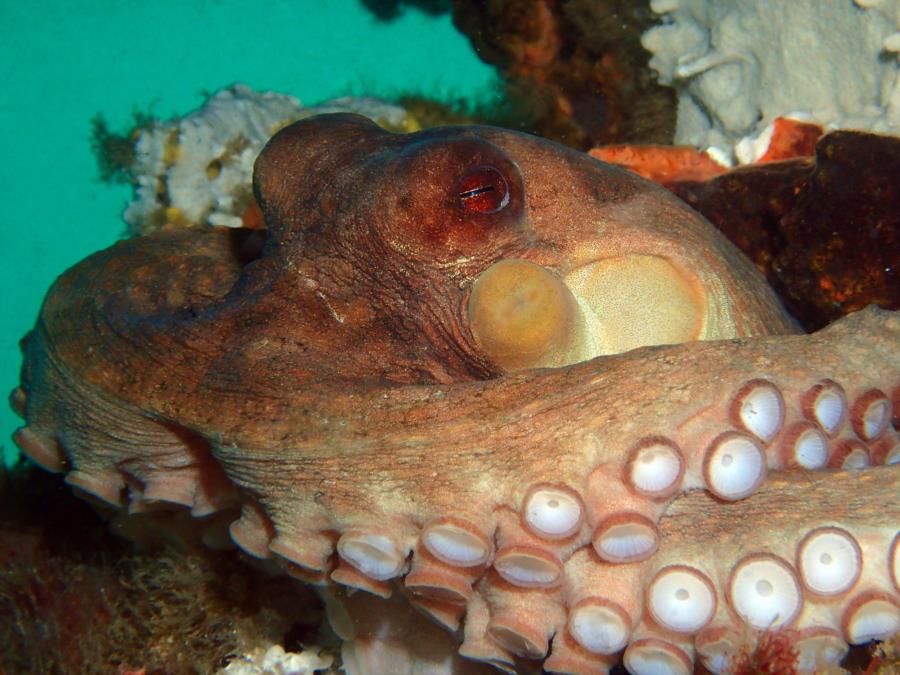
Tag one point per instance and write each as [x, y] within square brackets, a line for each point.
[529, 558]
[820, 569]
[718, 455]
[714, 590]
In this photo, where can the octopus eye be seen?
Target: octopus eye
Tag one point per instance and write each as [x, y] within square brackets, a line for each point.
[483, 190]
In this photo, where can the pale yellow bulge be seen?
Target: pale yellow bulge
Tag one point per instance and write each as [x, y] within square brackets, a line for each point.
[525, 316]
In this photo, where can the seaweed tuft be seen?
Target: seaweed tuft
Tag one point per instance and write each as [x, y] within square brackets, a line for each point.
[115, 152]
[75, 599]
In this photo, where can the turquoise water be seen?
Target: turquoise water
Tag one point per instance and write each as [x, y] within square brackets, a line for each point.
[65, 61]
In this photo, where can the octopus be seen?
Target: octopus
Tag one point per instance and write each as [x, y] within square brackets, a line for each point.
[527, 393]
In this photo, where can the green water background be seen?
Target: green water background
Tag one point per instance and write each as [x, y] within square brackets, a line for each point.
[65, 61]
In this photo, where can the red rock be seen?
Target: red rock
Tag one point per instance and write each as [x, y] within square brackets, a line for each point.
[662, 163]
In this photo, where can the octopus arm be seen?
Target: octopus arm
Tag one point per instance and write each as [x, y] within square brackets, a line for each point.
[515, 503]
[461, 382]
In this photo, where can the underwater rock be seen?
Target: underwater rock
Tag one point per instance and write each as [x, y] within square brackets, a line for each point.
[824, 230]
[575, 70]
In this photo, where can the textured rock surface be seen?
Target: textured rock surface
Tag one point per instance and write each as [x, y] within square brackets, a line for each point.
[575, 70]
[833, 60]
[824, 230]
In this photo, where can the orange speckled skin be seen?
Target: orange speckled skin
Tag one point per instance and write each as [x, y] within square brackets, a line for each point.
[318, 387]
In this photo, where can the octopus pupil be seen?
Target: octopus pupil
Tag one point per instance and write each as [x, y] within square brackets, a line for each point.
[682, 594]
[483, 190]
[764, 587]
[825, 559]
[553, 504]
[476, 192]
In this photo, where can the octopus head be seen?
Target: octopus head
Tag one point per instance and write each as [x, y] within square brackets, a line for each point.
[500, 251]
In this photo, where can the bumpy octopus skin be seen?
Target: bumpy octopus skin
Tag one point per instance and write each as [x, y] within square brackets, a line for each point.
[534, 395]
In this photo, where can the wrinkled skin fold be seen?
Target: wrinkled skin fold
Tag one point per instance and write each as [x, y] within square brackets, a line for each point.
[535, 396]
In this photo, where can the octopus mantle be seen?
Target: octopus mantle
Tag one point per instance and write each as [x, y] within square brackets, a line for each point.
[535, 396]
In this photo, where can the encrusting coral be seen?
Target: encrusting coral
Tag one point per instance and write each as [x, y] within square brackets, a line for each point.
[194, 171]
[737, 65]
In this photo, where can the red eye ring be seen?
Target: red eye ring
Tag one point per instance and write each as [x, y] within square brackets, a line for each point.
[483, 190]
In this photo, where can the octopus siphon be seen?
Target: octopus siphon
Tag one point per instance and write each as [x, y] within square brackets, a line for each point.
[529, 394]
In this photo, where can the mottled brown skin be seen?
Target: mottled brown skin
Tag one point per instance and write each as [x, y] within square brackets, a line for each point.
[324, 379]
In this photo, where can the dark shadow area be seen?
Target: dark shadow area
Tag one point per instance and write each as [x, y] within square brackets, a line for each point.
[74, 598]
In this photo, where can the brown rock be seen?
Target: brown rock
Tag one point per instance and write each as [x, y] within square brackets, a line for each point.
[824, 230]
[575, 69]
